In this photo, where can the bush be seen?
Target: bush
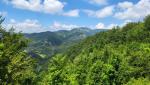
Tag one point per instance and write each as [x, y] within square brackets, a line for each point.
[147, 22]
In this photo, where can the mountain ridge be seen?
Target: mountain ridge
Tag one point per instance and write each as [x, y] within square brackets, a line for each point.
[50, 43]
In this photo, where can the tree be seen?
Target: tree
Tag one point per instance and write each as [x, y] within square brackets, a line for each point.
[139, 81]
[16, 67]
[147, 22]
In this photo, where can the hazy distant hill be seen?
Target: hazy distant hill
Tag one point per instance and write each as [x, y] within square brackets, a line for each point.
[49, 43]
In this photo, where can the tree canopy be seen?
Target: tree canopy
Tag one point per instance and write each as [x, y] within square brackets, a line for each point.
[120, 56]
[16, 67]
[115, 57]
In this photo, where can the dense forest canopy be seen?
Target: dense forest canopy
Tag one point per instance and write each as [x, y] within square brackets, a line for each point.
[120, 56]
[16, 67]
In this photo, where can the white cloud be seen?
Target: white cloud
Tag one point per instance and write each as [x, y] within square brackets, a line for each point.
[47, 6]
[33, 5]
[72, 13]
[99, 2]
[107, 11]
[102, 26]
[136, 11]
[125, 22]
[52, 6]
[125, 5]
[102, 13]
[44, 6]
[59, 26]
[26, 26]
[34, 26]
[3, 13]
[111, 26]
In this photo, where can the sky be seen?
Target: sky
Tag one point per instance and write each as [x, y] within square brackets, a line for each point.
[30, 16]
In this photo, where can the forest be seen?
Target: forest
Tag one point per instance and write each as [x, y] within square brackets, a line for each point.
[120, 56]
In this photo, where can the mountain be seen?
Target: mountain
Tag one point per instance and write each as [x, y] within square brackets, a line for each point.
[120, 56]
[49, 43]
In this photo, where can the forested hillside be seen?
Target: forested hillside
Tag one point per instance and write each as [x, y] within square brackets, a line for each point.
[46, 44]
[120, 56]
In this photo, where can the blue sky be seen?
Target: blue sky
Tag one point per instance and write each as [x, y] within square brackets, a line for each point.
[51, 15]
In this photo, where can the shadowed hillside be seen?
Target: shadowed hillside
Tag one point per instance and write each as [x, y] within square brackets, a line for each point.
[50, 43]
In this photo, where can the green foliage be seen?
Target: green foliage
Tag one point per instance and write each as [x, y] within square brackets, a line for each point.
[147, 22]
[50, 43]
[115, 57]
[139, 81]
[120, 56]
[16, 67]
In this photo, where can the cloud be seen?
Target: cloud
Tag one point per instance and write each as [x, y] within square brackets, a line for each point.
[52, 6]
[3, 13]
[133, 11]
[125, 5]
[102, 26]
[59, 26]
[26, 26]
[34, 26]
[125, 22]
[99, 2]
[111, 26]
[102, 13]
[72, 13]
[44, 6]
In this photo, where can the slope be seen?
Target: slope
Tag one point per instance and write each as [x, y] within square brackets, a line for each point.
[49, 43]
[115, 57]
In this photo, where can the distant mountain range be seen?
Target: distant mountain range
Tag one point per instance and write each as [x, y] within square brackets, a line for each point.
[48, 43]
